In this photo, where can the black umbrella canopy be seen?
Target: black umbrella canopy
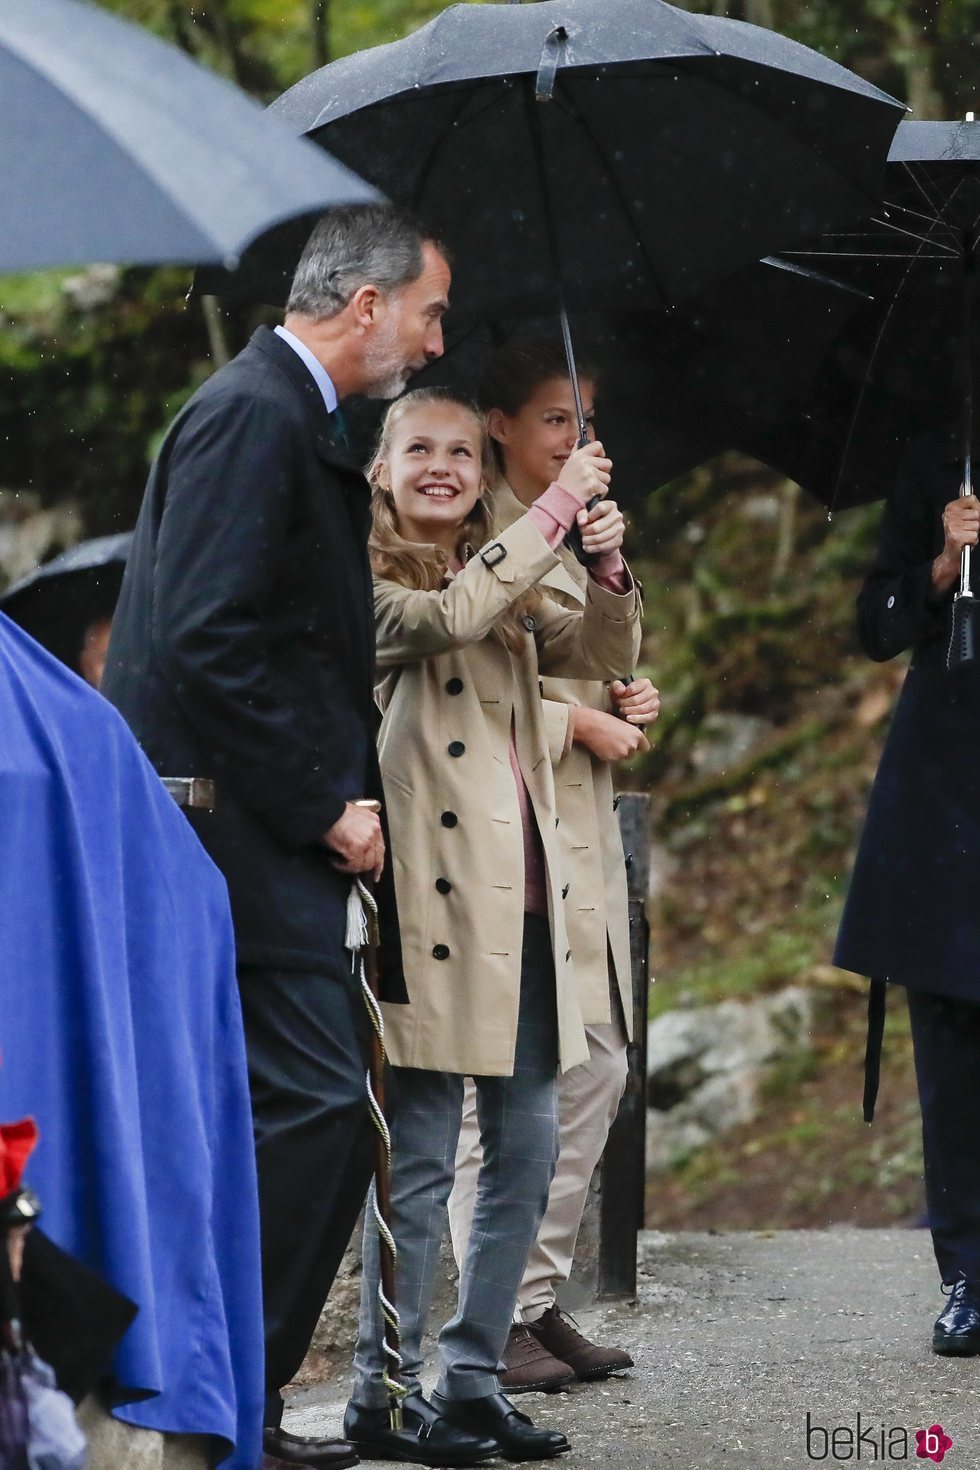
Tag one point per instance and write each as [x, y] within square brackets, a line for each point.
[59, 601]
[733, 368]
[117, 147]
[903, 365]
[674, 147]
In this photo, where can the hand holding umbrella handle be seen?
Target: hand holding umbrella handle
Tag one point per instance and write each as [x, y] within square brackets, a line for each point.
[962, 650]
[573, 536]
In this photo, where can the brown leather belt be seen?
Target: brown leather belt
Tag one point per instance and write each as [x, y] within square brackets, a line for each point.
[195, 791]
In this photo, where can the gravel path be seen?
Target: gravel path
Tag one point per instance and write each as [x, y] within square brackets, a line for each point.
[738, 1337]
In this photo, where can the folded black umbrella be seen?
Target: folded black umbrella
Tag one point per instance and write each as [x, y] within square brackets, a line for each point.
[116, 146]
[625, 150]
[59, 601]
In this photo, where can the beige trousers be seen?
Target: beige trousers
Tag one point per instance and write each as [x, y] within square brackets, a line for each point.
[588, 1099]
[113, 1445]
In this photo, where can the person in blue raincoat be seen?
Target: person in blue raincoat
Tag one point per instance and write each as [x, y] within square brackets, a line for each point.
[121, 1033]
[912, 915]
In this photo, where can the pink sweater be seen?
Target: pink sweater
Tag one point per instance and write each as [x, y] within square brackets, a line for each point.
[553, 513]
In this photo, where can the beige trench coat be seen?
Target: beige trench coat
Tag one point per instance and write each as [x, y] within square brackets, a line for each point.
[596, 904]
[450, 695]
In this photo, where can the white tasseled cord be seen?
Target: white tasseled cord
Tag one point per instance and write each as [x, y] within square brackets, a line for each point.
[362, 929]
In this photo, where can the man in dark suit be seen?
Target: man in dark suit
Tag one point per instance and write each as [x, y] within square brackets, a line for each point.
[243, 653]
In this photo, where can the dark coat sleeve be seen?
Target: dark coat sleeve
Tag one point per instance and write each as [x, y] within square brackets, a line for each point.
[895, 608]
[222, 536]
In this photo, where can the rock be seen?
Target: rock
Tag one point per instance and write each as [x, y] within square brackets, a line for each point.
[705, 1067]
[30, 535]
[725, 739]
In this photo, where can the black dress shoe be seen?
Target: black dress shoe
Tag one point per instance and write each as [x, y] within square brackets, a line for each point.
[957, 1329]
[282, 1448]
[495, 1414]
[425, 1438]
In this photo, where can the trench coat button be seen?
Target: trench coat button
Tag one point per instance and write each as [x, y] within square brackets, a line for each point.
[456, 747]
[564, 892]
[443, 885]
[891, 602]
[449, 819]
[454, 686]
[529, 623]
[440, 951]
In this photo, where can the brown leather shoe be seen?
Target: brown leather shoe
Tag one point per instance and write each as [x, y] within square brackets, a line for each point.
[586, 1359]
[530, 1365]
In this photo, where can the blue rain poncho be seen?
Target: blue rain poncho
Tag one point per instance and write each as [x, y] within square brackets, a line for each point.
[121, 1032]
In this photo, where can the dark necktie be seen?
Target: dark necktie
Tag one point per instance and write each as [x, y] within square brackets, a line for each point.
[338, 427]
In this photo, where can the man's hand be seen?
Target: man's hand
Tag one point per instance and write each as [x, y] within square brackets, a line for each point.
[637, 703]
[961, 525]
[356, 842]
[586, 472]
[602, 528]
[607, 737]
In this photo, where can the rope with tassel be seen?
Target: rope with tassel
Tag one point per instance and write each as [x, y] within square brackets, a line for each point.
[363, 938]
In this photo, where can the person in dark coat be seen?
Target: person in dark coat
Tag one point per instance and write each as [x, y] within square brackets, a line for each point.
[242, 652]
[912, 916]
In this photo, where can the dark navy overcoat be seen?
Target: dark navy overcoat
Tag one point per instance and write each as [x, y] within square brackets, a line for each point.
[913, 909]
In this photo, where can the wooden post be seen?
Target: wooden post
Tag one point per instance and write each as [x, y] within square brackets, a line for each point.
[624, 1160]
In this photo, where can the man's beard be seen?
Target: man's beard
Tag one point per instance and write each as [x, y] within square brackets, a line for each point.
[384, 365]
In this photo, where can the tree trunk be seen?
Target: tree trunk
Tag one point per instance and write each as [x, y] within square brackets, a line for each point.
[915, 36]
[320, 31]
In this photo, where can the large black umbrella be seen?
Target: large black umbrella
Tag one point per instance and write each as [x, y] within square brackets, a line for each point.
[732, 368]
[903, 364]
[116, 146]
[629, 150]
[64, 597]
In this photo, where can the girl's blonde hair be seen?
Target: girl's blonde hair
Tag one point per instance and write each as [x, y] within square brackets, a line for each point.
[424, 568]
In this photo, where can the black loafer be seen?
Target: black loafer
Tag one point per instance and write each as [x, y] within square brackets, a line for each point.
[282, 1448]
[494, 1414]
[425, 1438]
[957, 1329]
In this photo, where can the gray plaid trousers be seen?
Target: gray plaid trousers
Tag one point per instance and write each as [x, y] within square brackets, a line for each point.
[518, 1119]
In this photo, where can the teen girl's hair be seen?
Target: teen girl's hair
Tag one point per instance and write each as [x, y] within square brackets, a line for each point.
[515, 372]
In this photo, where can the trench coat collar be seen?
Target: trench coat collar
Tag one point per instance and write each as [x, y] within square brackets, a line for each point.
[329, 447]
[506, 510]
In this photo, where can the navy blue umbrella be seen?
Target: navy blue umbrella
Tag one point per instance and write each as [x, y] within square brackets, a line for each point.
[115, 146]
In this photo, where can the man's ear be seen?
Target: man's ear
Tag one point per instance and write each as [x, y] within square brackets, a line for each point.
[497, 425]
[365, 304]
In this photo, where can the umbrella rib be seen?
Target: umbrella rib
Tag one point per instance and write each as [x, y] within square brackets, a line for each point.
[911, 234]
[492, 101]
[864, 386]
[932, 196]
[570, 110]
[865, 255]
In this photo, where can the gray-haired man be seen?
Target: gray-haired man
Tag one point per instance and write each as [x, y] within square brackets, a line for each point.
[243, 652]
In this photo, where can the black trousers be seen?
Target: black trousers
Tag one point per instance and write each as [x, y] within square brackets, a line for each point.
[946, 1039]
[307, 1039]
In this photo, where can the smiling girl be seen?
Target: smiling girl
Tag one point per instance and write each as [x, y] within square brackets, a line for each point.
[463, 634]
[531, 416]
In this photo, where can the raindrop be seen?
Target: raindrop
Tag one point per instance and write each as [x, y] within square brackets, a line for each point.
[830, 517]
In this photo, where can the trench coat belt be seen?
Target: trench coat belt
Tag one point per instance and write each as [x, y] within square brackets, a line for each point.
[195, 791]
